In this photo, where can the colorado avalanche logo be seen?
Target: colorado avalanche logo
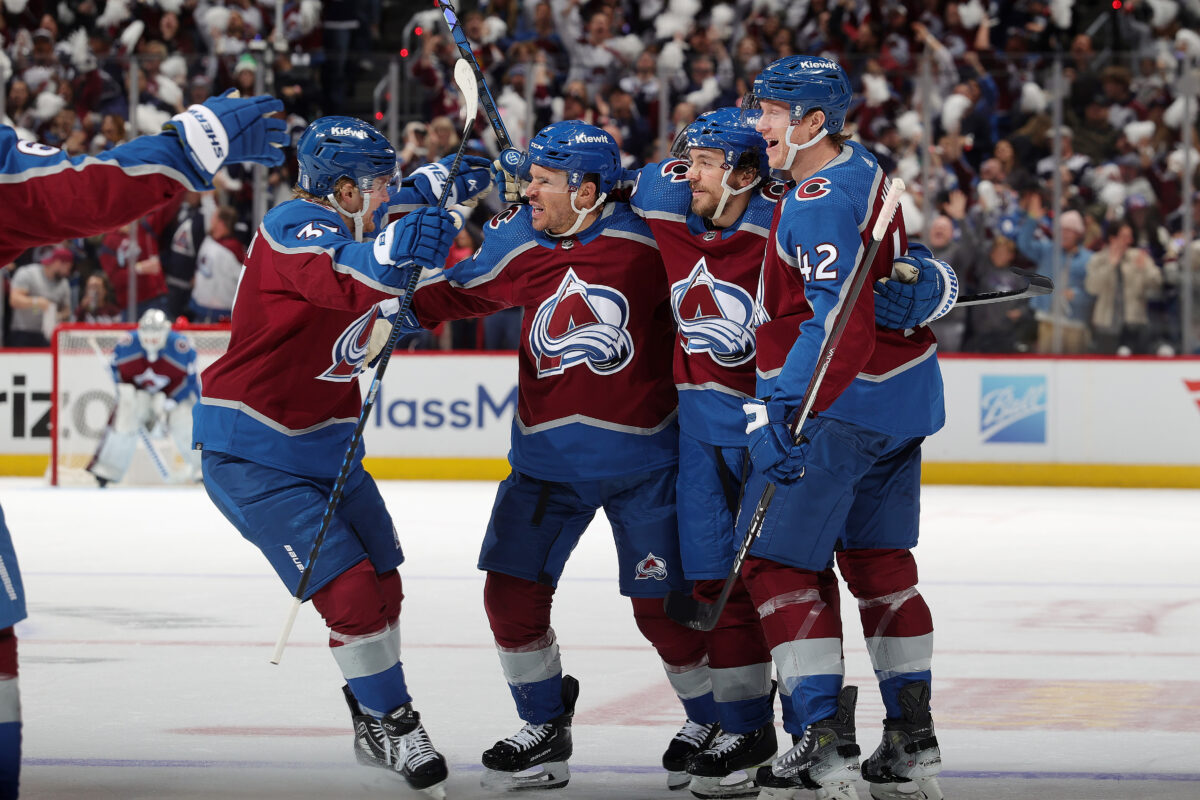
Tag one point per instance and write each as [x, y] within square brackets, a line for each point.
[504, 216]
[812, 189]
[675, 171]
[714, 317]
[651, 567]
[350, 349]
[774, 190]
[581, 324]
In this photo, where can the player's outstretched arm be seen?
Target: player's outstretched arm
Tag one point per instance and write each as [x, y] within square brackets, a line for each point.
[230, 129]
[922, 289]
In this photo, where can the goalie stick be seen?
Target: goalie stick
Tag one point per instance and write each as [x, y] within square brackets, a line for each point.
[683, 607]
[465, 78]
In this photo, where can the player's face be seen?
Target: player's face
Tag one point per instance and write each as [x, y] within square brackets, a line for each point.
[704, 177]
[379, 196]
[549, 199]
[773, 124]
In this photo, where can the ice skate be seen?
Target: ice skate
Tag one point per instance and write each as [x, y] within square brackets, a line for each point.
[691, 739]
[715, 771]
[906, 763]
[423, 767]
[826, 758]
[372, 748]
[535, 757]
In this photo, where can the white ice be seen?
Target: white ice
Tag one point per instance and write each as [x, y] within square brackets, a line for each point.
[1067, 657]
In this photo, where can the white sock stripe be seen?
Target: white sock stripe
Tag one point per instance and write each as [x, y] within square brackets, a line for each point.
[731, 684]
[703, 662]
[530, 666]
[695, 682]
[10, 700]
[353, 639]
[368, 655]
[545, 641]
[898, 655]
[803, 657]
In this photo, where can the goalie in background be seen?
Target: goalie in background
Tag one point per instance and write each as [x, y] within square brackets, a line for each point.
[154, 369]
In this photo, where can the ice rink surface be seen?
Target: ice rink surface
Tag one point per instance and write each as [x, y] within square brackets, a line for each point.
[1067, 662]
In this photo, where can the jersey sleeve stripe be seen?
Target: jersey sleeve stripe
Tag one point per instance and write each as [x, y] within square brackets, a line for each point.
[637, 237]
[497, 269]
[907, 365]
[595, 423]
[270, 423]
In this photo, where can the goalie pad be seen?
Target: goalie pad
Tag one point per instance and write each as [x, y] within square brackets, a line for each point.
[112, 458]
[179, 423]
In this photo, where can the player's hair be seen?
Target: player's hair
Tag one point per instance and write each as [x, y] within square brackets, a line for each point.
[300, 194]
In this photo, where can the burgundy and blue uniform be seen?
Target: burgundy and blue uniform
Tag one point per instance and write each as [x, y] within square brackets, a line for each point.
[172, 372]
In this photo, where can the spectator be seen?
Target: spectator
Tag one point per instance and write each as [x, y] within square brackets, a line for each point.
[180, 245]
[40, 297]
[1121, 278]
[1069, 298]
[218, 268]
[998, 327]
[98, 304]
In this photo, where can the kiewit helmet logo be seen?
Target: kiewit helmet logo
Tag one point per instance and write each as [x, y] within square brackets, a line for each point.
[714, 317]
[582, 138]
[822, 64]
[582, 323]
[350, 349]
[341, 131]
[651, 567]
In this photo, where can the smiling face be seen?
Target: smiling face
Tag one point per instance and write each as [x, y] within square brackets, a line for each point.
[550, 199]
[773, 124]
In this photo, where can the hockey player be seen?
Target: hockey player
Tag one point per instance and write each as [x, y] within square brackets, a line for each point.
[309, 295]
[154, 369]
[47, 197]
[852, 484]
[710, 208]
[595, 428]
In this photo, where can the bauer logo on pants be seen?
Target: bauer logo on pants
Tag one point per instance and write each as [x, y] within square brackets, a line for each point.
[652, 567]
[1012, 409]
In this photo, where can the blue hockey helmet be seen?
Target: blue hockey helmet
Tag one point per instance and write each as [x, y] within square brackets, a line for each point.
[805, 83]
[724, 129]
[342, 147]
[578, 149]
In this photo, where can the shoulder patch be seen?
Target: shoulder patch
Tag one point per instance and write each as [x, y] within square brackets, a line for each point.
[675, 170]
[507, 215]
[773, 190]
[813, 189]
[125, 340]
[181, 344]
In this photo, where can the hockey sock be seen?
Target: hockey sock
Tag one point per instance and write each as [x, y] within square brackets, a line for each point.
[895, 619]
[739, 660]
[800, 616]
[683, 655]
[362, 611]
[10, 717]
[519, 613]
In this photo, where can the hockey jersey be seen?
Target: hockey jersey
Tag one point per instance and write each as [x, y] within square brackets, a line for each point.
[286, 392]
[886, 380]
[595, 395]
[48, 196]
[172, 372]
[713, 276]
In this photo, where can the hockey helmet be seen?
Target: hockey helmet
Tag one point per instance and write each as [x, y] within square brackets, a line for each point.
[578, 149]
[153, 329]
[805, 83]
[723, 129]
[332, 148]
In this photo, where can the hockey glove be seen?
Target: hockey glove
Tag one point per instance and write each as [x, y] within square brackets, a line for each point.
[471, 184]
[229, 129]
[512, 174]
[774, 453]
[422, 238]
[921, 290]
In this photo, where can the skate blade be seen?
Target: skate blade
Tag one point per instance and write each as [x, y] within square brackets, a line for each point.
[551, 775]
[739, 784]
[437, 791]
[842, 790]
[678, 780]
[780, 793]
[916, 789]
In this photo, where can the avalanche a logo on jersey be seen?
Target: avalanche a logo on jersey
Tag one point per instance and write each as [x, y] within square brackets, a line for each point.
[651, 567]
[582, 323]
[350, 349]
[714, 317]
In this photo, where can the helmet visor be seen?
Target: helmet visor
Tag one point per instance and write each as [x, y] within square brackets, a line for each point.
[366, 183]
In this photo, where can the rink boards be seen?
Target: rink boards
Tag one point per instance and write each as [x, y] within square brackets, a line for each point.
[1034, 421]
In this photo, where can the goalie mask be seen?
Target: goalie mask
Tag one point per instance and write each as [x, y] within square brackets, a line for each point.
[153, 329]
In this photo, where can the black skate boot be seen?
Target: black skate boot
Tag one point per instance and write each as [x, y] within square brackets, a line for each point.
[909, 752]
[691, 739]
[546, 746]
[422, 767]
[714, 771]
[826, 758]
[372, 747]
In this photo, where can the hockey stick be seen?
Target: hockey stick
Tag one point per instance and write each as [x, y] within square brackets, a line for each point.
[484, 94]
[683, 607]
[465, 78]
[1037, 285]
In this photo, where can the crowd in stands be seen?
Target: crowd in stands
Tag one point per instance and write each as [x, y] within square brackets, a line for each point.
[968, 85]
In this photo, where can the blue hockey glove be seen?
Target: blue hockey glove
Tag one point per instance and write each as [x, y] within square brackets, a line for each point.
[229, 129]
[421, 238]
[922, 289]
[772, 449]
[471, 184]
[512, 174]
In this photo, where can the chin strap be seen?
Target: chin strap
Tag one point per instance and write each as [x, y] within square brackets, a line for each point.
[793, 148]
[357, 216]
[580, 215]
[728, 191]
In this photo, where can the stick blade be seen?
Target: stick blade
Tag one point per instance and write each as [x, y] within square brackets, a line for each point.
[690, 612]
[468, 87]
